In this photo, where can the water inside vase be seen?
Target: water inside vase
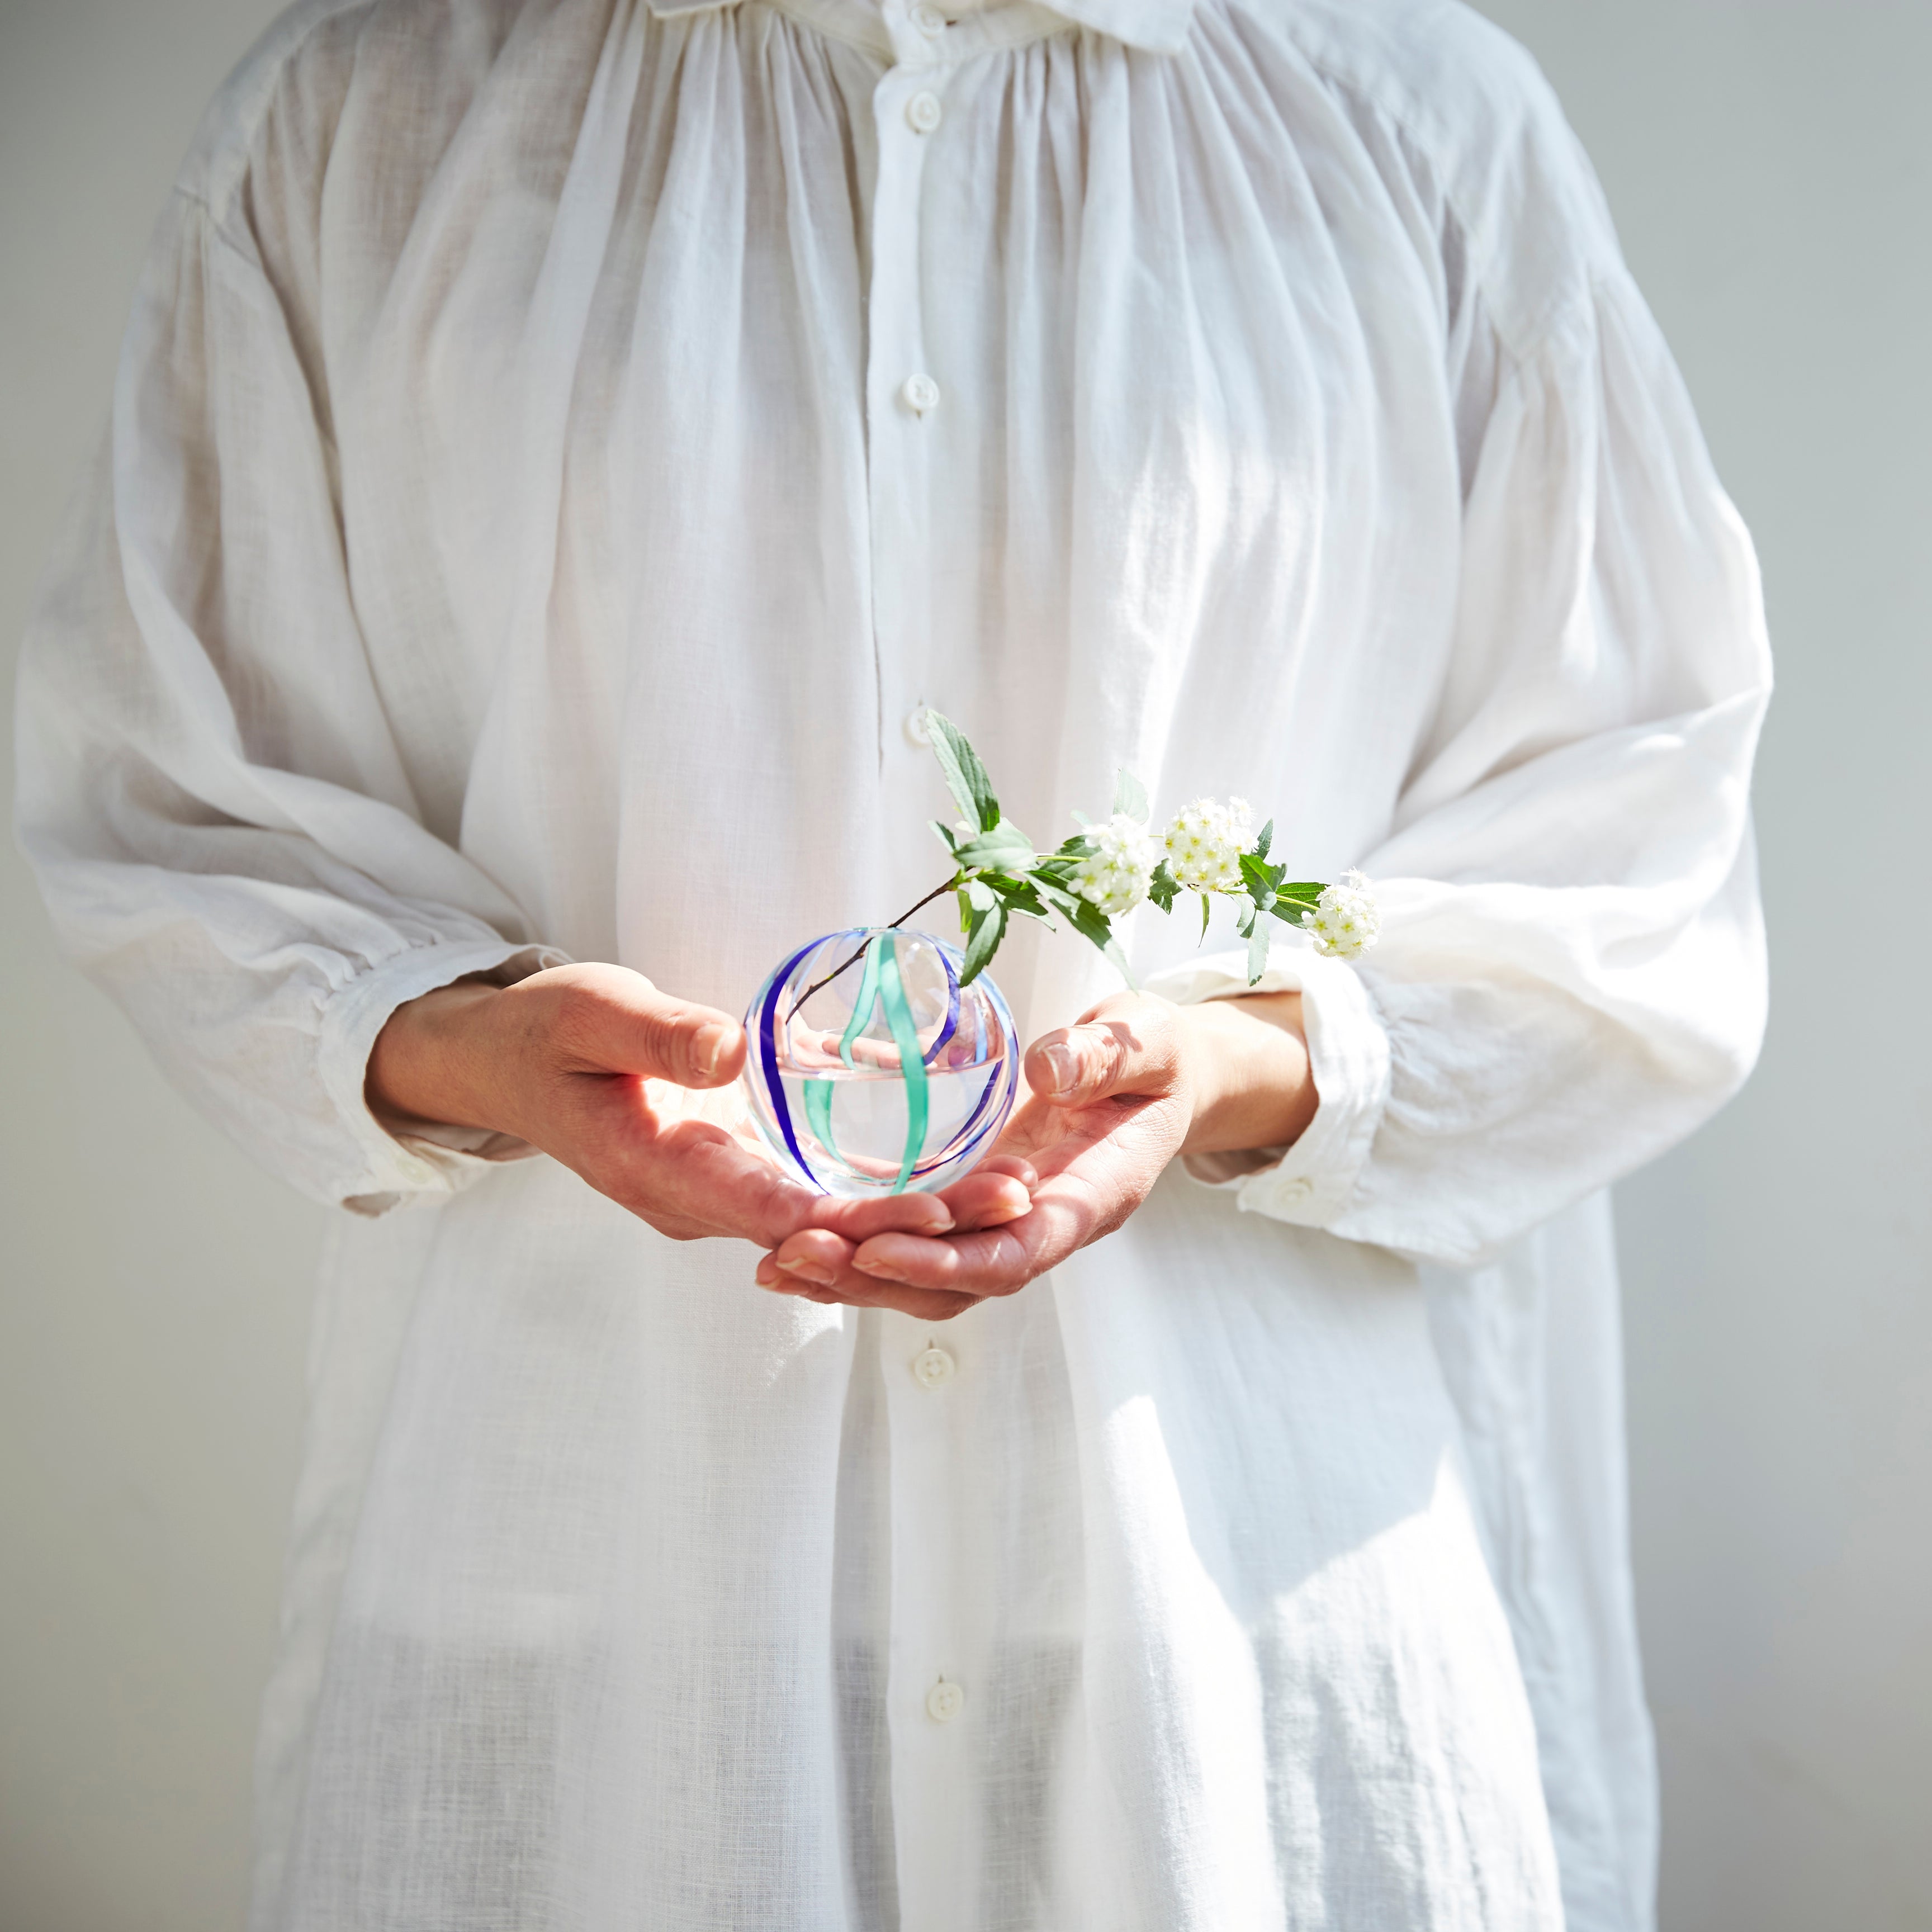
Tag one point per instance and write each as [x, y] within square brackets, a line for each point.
[874, 1071]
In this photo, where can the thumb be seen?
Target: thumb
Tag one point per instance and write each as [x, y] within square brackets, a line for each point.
[1127, 1044]
[620, 1023]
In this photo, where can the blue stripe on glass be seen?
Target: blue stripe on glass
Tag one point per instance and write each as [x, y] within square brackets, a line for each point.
[768, 1054]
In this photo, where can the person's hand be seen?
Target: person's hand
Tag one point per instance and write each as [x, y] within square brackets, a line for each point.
[1114, 1099]
[636, 1092]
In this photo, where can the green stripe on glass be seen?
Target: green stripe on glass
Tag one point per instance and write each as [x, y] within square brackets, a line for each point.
[912, 1062]
[861, 1007]
[818, 1116]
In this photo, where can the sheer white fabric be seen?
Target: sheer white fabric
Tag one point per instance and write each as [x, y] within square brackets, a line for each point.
[513, 542]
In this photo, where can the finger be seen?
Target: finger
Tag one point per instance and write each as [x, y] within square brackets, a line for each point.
[1016, 1166]
[818, 1265]
[922, 1304]
[616, 1021]
[853, 1291]
[858, 1292]
[1066, 1214]
[993, 1260]
[983, 1200]
[782, 1280]
[1091, 1184]
[818, 1258]
[996, 1190]
[877, 1214]
[1130, 1044]
[815, 1256]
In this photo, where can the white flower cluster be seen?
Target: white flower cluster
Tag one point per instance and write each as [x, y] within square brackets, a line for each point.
[1116, 874]
[1204, 842]
[1345, 922]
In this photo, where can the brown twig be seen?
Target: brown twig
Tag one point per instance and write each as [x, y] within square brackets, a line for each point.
[817, 984]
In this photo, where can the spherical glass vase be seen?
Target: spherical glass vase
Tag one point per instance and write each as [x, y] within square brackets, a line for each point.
[889, 1079]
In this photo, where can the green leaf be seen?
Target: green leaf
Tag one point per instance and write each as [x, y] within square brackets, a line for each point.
[1291, 901]
[974, 899]
[947, 837]
[1130, 795]
[1078, 845]
[1244, 921]
[1070, 906]
[1260, 878]
[1258, 952]
[966, 778]
[1021, 895]
[1206, 907]
[1267, 839]
[1091, 923]
[983, 936]
[1004, 848]
[1162, 888]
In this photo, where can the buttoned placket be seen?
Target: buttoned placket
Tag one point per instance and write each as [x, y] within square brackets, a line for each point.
[906, 402]
[931, 1673]
[935, 1690]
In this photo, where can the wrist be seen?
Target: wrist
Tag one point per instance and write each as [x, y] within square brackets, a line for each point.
[428, 1063]
[1249, 1075]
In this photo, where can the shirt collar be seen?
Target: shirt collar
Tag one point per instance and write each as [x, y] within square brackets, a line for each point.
[1155, 26]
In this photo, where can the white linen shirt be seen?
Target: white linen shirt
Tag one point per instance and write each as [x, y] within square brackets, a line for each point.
[557, 448]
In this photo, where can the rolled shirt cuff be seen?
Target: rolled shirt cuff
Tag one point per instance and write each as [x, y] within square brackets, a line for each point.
[422, 1158]
[1309, 1183]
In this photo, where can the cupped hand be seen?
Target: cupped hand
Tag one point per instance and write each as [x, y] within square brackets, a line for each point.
[1114, 1099]
[636, 1091]
[1111, 1104]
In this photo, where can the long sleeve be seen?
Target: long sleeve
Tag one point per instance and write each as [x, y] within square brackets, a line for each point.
[222, 823]
[1570, 976]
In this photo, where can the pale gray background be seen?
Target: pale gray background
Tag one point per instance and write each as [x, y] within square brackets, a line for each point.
[1768, 164]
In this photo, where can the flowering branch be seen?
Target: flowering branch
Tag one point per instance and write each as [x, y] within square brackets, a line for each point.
[1104, 871]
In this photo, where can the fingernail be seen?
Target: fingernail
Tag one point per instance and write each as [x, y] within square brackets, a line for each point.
[807, 1271]
[1065, 1065]
[880, 1270]
[707, 1051]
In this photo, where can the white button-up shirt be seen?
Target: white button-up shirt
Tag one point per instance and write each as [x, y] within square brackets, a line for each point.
[556, 447]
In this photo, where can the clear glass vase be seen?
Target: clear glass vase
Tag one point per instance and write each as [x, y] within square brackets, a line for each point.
[891, 1077]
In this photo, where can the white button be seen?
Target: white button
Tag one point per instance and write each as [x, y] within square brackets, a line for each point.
[928, 19]
[924, 113]
[933, 1367]
[919, 394]
[944, 1702]
[915, 726]
[1296, 1189]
